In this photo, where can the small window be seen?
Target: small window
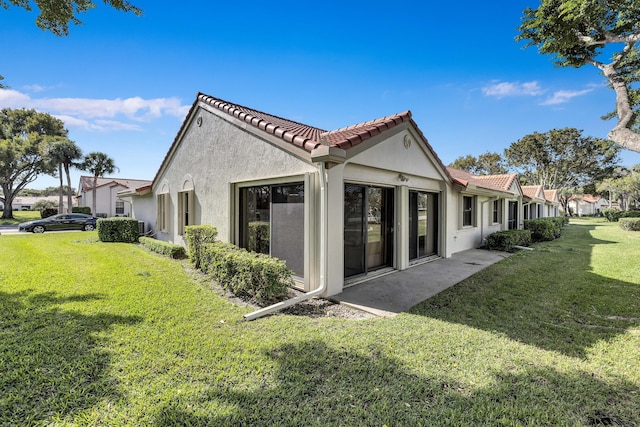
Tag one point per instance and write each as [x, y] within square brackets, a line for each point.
[497, 217]
[119, 207]
[468, 211]
[163, 212]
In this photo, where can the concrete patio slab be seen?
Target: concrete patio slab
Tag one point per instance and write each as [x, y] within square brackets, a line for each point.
[393, 293]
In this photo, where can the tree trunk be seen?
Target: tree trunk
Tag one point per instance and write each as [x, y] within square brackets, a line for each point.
[60, 196]
[69, 196]
[622, 134]
[7, 212]
[626, 138]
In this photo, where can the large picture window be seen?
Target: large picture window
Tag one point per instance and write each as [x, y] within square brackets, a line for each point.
[272, 222]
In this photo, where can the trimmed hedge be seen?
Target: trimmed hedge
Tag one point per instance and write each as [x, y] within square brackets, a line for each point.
[118, 230]
[544, 229]
[614, 215]
[506, 240]
[81, 209]
[164, 248]
[196, 236]
[630, 224]
[47, 212]
[248, 274]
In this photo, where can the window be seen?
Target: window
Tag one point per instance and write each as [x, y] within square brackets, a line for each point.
[119, 207]
[468, 211]
[163, 212]
[496, 214]
[186, 210]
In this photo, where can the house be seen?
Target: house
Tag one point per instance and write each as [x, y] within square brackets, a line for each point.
[107, 202]
[339, 206]
[23, 203]
[586, 204]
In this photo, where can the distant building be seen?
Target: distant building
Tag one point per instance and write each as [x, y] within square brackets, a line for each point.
[107, 202]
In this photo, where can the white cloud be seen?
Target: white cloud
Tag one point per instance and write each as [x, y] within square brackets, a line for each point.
[562, 96]
[502, 89]
[98, 114]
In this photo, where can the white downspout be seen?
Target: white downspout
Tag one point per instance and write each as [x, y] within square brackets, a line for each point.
[323, 258]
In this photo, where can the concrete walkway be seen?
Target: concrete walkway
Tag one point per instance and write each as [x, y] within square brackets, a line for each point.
[398, 291]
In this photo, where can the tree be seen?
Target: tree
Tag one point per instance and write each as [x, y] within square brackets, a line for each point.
[55, 16]
[580, 32]
[562, 158]
[22, 135]
[484, 164]
[64, 154]
[98, 164]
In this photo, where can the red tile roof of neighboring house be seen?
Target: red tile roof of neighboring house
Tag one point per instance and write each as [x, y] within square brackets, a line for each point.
[587, 198]
[86, 182]
[490, 182]
[551, 195]
[532, 191]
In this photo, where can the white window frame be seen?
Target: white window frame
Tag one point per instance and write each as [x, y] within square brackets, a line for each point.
[163, 219]
[186, 210]
[473, 211]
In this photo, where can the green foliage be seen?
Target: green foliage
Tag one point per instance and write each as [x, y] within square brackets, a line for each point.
[247, 274]
[47, 212]
[544, 229]
[44, 204]
[561, 158]
[630, 224]
[118, 230]
[97, 164]
[484, 164]
[259, 237]
[82, 209]
[55, 16]
[506, 240]
[164, 248]
[612, 215]
[196, 236]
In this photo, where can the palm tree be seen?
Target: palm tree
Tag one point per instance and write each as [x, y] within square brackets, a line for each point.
[98, 164]
[64, 153]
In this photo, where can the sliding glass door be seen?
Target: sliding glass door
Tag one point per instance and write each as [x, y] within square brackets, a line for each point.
[368, 228]
[423, 224]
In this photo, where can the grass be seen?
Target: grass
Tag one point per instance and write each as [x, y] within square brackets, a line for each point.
[111, 334]
[21, 216]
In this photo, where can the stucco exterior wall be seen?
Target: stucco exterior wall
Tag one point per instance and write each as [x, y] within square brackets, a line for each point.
[213, 154]
[106, 198]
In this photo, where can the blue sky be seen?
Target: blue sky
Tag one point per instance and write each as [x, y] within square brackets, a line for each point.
[123, 84]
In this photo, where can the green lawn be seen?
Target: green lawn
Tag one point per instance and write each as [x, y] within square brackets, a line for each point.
[110, 334]
[21, 216]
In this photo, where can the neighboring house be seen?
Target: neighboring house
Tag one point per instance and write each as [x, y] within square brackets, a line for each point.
[552, 203]
[586, 204]
[338, 206]
[534, 201]
[23, 203]
[107, 202]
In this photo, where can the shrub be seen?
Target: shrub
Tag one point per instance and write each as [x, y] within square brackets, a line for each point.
[612, 215]
[630, 224]
[196, 236]
[44, 204]
[258, 276]
[47, 212]
[506, 240]
[118, 230]
[81, 209]
[259, 237]
[165, 248]
[544, 229]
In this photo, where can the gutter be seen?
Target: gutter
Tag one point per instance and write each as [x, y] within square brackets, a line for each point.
[323, 257]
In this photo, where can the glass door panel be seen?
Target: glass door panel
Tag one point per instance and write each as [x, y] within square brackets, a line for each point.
[354, 230]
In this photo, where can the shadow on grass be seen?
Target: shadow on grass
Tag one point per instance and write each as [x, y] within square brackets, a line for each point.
[53, 363]
[314, 384]
[549, 298]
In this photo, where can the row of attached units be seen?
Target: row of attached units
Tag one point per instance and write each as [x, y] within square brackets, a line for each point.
[338, 206]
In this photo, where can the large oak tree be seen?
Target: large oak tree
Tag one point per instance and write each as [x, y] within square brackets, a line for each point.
[585, 32]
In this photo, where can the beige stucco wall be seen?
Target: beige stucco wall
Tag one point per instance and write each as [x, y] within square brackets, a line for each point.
[106, 197]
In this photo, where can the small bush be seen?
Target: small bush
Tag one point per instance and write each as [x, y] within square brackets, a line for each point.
[47, 212]
[248, 274]
[118, 230]
[259, 237]
[630, 224]
[612, 215]
[196, 236]
[164, 248]
[506, 240]
[544, 229]
[81, 209]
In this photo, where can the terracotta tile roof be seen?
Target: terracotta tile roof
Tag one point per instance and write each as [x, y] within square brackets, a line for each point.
[551, 195]
[489, 182]
[532, 191]
[86, 182]
[587, 198]
[304, 136]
